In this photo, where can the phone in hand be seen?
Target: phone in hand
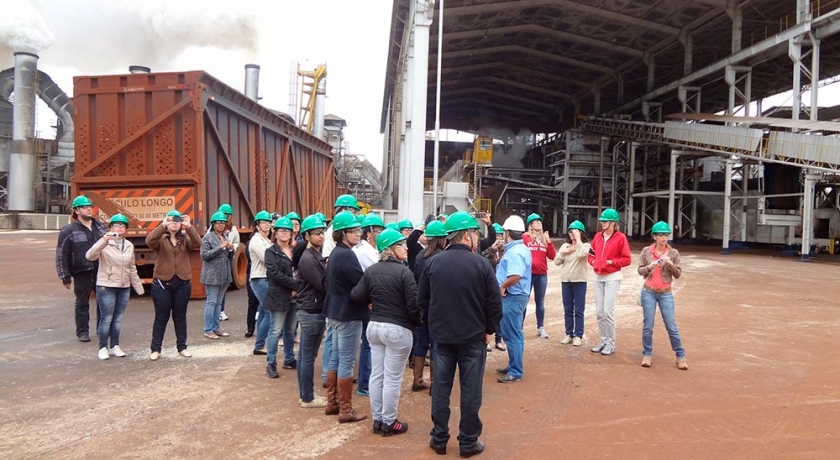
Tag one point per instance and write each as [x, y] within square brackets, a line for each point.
[177, 219]
[478, 215]
[591, 252]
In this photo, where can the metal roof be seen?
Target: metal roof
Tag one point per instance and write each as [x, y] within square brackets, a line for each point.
[800, 125]
[526, 64]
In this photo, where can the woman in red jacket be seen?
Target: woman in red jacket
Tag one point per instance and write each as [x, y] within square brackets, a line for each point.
[609, 254]
[542, 249]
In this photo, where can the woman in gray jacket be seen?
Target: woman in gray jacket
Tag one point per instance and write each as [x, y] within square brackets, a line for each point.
[117, 273]
[215, 273]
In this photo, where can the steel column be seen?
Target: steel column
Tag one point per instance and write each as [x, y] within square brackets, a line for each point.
[808, 215]
[631, 182]
[672, 184]
[727, 206]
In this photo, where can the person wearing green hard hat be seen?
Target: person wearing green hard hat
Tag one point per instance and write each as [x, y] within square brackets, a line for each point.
[392, 226]
[311, 271]
[405, 226]
[279, 308]
[494, 254]
[346, 316]
[260, 241]
[659, 265]
[216, 254]
[297, 238]
[574, 273]
[74, 240]
[172, 241]
[116, 275]
[389, 288]
[610, 253]
[462, 304]
[344, 203]
[542, 250]
[231, 235]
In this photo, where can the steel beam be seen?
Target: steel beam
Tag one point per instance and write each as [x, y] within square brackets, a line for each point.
[512, 68]
[497, 94]
[470, 100]
[506, 82]
[514, 49]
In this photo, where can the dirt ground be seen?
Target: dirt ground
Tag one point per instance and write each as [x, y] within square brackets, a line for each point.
[760, 334]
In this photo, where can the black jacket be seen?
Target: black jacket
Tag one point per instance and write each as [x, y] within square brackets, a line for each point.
[414, 247]
[420, 264]
[488, 241]
[281, 279]
[343, 274]
[74, 240]
[459, 292]
[390, 287]
[312, 269]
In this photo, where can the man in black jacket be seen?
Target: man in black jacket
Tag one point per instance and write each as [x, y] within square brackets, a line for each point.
[74, 240]
[463, 304]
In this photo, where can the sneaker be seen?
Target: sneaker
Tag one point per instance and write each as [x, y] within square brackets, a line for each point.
[397, 427]
[646, 362]
[271, 371]
[363, 392]
[489, 347]
[117, 351]
[599, 347]
[84, 337]
[185, 353]
[542, 334]
[103, 353]
[501, 346]
[154, 356]
[608, 350]
[502, 370]
[576, 342]
[566, 340]
[681, 364]
[377, 427]
[211, 336]
[223, 316]
[290, 364]
[317, 401]
[507, 378]
[222, 333]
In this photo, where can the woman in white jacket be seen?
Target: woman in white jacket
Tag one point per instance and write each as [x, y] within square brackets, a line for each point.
[574, 271]
[117, 274]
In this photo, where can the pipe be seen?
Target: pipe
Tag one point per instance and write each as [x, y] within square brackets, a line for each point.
[252, 82]
[139, 69]
[320, 108]
[436, 161]
[22, 162]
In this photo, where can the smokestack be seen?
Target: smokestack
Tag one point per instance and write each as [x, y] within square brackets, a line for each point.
[320, 101]
[139, 69]
[252, 81]
[22, 164]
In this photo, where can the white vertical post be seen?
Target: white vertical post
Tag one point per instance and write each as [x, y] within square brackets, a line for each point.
[808, 215]
[643, 209]
[412, 207]
[815, 78]
[795, 54]
[745, 188]
[672, 185]
[695, 185]
[727, 206]
[631, 182]
[437, 111]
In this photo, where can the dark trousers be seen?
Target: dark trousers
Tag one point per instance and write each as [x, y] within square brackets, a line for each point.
[365, 365]
[170, 301]
[83, 285]
[469, 358]
[253, 306]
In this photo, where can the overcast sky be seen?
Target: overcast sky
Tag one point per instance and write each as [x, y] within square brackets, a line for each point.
[92, 37]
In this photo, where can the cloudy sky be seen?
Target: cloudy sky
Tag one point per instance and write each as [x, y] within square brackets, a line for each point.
[90, 37]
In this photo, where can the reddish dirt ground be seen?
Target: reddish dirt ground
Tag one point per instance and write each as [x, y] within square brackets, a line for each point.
[760, 334]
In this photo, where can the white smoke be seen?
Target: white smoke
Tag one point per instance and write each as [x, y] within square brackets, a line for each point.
[23, 29]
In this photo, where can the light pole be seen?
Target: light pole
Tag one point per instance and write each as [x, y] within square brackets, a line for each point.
[437, 111]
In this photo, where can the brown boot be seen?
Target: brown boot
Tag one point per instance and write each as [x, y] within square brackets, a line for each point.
[431, 375]
[419, 384]
[345, 402]
[332, 392]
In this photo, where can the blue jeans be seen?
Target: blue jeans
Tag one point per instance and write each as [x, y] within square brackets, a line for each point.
[539, 284]
[574, 303]
[470, 359]
[260, 287]
[289, 329]
[666, 309]
[345, 344]
[423, 342]
[365, 367]
[112, 303]
[311, 332]
[276, 321]
[513, 307]
[326, 356]
[212, 307]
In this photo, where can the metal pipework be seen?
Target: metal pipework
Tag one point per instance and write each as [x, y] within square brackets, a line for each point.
[252, 81]
[23, 162]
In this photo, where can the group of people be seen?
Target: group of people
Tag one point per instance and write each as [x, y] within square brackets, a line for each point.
[385, 294]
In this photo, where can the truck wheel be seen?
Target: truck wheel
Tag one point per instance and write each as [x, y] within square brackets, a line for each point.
[240, 267]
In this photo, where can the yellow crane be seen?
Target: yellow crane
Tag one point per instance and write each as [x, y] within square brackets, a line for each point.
[311, 80]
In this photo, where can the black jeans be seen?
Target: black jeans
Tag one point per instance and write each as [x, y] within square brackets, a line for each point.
[83, 285]
[469, 358]
[170, 301]
[253, 306]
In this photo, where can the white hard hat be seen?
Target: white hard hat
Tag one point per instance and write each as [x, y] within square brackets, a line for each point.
[514, 223]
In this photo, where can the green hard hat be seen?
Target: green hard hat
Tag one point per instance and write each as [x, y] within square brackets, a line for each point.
[262, 215]
[405, 223]
[533, 217]
[82, 200]
[173, 213]
[347, 201]
[283, 222]
[218, 216]
[311, 223]
[118, 219]
[388, 238]
[393, 226]
[344, 220]
[609, 215]
[577, 225]
[226, 208]
[372, 220]
[435, 229]
[660, 228]
[293, 216]
[460, 220]
[360, 218]
[498, 228]
[321, 216]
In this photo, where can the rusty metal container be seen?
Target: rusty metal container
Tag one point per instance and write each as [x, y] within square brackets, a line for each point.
[148, 143]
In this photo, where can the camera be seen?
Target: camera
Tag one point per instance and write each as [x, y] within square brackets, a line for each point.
[478, 215]
[113, 234]
[177, 219]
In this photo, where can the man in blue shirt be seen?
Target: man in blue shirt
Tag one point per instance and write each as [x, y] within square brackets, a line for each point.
[514, 277]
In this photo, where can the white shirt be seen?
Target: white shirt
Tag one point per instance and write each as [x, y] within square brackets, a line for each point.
[366, 253]
[329, 244]
[256, 248]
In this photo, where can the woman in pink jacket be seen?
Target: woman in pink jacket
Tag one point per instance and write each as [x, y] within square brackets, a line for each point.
[117, 274]
[609, 254]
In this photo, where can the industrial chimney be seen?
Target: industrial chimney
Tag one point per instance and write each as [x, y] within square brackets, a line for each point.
[320, 102]
[139, 69]
[23, 161]
[252, 81]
